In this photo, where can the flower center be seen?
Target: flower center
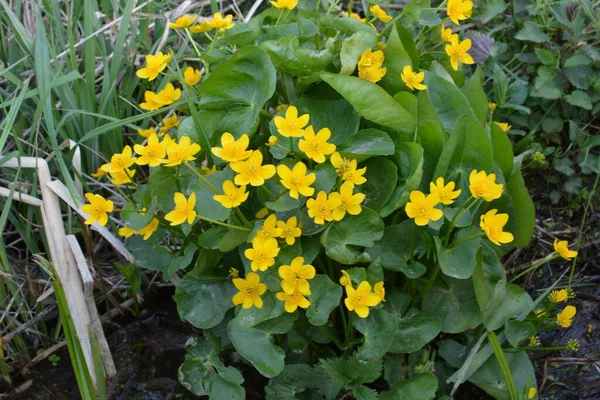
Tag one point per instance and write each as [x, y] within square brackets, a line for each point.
[251, 168]
[423, 210]
[232, 195]
[343, 204]
[482, 188]
[315, 145]
[260, 257]
[295, 181]
[359, 299]
[250, 291]
[98, 210]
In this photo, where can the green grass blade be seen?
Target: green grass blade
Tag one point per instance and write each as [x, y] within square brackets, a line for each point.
[499, 353]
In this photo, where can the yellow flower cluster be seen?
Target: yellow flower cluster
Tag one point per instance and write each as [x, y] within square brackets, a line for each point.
[370, 66]
[363, 297]
[217, 22]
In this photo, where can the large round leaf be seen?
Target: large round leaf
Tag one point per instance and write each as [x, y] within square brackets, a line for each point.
[415, 329]
[324, 298]
[382, 176]
[203, 302]
[367, 143]
[490, 378]
[421, 387]
[256, 346]
[458, 261]
[353, 230]
[378, 330]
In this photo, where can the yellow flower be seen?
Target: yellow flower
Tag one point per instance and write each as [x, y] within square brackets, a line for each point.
[222, 24]
[281, 107]
[153, 154]
[233, 196]
[562, 248]
[155, 64]
[447, 35]
[315, 146]
[208, 171]
[293, 300]
[379, 290]
[558, 296]
[98, 209]
[289, 230]
[321, 208]
[251, 171]
[444, 193]
[119, 161]
[504, 126]
[531, 394]
[345, 279]
[287, 4]
[149, 229]
[151, 101]
[250, 291]
[360, 299]
[232, 150]
[184, 209]
[346, 169]
[269, 229]
[192, 76]
[291, 125]
[205, 26]
[411, 79]
[263, 212]
[370, 66]
[296, 179]
[170, 122]
[99, 173]
[355, 16]
[122, 177]
[458, 52]
[492, 224]
[422, 208]
[126, 231]
[146, 132]
[565, 317]
[459, 10]
[349, 203]
[484, 185]
[272, 140]
[262, 254]
[380, 14]
[296, 276]
[177, 153]
[492, 106]
[381, 45]
[183, 22]
[168, 95]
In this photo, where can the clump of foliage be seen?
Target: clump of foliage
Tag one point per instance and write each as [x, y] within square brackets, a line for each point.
[336, 198]
[544, 75]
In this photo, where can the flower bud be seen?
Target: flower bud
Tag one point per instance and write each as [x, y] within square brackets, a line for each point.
[273, 140]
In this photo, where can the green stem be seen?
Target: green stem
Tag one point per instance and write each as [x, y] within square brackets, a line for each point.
[331, 336]
[196, 49]
[318, 5]
[212, 221]
[510, 384]
[389, 26]
[349, 329]
[280, 15]
[202, 178]
[533, 267]
[454, 219]
[467, 238]
[242, 217]
[266, 114]
[535, 349]
[413, 240]
[429, 284]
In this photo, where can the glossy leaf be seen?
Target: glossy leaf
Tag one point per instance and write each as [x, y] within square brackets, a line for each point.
[415, 329]
[447, 100]
[382, 176]
[458, 261]
[378, 330]
[324, 298]
[367, 143]
[354, 47]
[421, 387]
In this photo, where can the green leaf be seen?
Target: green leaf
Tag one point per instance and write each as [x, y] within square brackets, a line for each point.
[290, 56]
[409, 159]
[548, 84]
[364, 393]
[242, 34]
[491, 9]
[506, 302]
[503, 150]
[304, 28]
[577, 60]
[256, 346]
[148, 255]
[353, 47]
[447, 100]
[210, 122]
[532, 32]
[396, 58]
[458, 261]
[432, 139]
[546, 56]
[203, 302]
[394, 254]
[272, 308]
[468, 148]
[523, 207]
[579, 98]
[350, 372]
[382, 176]
[206, 206]
[367, 143]
[453, 300]
[326, 178]
[378, 330]
[284, 203]
[324, 298]
[298, 378]
[211, 238]
[372, 102]
[353, 230]
[421, 387]
[476, 97]
[415, 329]
[517, 331]
[135, 220]
[337, 115]
[246, 80]
[203, 373]
[232, 239]
[489, 376]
